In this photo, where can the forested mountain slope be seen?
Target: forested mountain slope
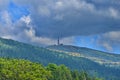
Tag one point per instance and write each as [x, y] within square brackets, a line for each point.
[104, 58]
[14, 49]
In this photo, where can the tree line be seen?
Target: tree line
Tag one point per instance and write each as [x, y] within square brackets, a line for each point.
[14, 69]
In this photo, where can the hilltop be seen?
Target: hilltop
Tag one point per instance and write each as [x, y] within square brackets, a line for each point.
[73, 60]
[103, 58]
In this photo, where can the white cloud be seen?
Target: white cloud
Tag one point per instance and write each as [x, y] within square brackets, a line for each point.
[44, 11]
[114, 13]
[5, 18]
[44, 40]
[110, 40]
[22, 30]
[69, 17]
[107, 46]
[26, 19]
[59, 5]
[114, 36]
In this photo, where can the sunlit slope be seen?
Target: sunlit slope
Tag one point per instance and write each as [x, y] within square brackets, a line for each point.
[17, 69]
[108, 59]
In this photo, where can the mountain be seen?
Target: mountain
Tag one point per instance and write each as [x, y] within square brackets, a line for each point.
[103, 58]
[68, 55]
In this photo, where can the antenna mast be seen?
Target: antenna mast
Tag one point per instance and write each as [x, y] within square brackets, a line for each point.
[58, 41]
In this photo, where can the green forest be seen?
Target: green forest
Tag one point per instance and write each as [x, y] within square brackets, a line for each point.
[14, 69]
[16, 50]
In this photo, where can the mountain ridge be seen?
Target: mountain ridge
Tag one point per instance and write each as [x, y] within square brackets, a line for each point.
[108, 59]
[82, 48]
[18, 50]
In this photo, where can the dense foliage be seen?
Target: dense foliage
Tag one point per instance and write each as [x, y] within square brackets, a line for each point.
[14, 49]
[63, 73]
[13, 69]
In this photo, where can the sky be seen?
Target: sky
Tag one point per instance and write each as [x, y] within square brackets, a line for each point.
[86, 23]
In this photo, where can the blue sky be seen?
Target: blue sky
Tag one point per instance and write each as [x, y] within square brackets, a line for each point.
[87, 23]
[16, 11]
[93, 43]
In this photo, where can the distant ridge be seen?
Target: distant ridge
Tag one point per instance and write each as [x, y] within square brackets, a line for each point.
[100, 57]
[75, 47]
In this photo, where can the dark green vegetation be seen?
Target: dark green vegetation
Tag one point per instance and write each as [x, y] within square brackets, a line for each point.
[107, 59]
[14, 49]
[12, 69]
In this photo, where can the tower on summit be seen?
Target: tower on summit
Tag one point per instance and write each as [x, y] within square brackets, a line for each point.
[58, 41]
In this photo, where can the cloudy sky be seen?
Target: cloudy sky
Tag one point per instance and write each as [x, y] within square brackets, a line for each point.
[87, 23]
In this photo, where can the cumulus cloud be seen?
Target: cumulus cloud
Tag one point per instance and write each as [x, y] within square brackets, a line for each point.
[114, 35]
[8, 28]
[110, 41]
[22, 30]
[66, 18]
[44, 40]
[73, 17]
